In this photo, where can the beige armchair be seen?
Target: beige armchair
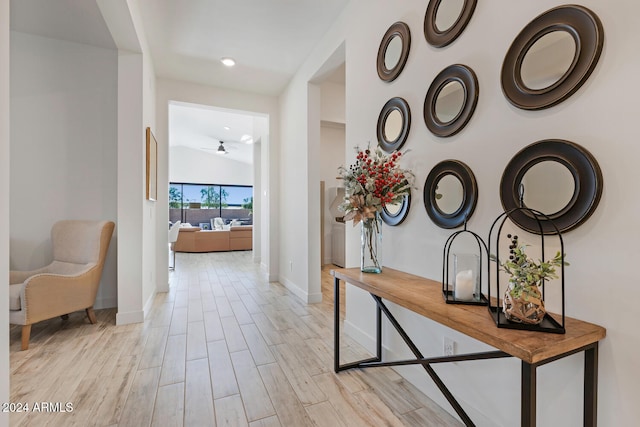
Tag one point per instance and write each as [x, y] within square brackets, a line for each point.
[70, 283]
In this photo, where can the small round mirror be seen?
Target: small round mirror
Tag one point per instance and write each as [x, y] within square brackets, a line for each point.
[449, 194]
[548, 187]
[448, 13]
[393, 208]
[548, 60]
[445, 20]
[449, 102]
[393, 52]
[395, 214]
[393, 125]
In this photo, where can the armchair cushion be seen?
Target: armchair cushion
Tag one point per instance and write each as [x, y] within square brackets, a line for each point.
[14, 296]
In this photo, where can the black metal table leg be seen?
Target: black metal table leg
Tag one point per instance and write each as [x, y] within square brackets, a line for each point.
[336, 324]
[591, 386]
[528, 395]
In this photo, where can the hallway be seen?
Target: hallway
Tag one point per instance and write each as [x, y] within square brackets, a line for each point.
[223, 347]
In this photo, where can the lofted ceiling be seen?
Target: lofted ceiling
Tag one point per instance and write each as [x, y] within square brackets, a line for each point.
[269, 40]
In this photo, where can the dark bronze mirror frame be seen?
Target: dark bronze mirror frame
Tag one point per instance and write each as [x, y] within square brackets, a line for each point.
[402, 106]
[585, 28]
[467, 78]
[469, 193]
[586, 174]
[401, 30]
[439, 38]
[396, 219]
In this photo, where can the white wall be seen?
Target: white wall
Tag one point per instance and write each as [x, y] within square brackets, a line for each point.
[197, 166]
[4, 207]
[63, 151]
[138, 219]
[172, 90]
[600, 116]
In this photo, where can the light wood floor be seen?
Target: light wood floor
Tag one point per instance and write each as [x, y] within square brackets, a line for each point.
[222, 348]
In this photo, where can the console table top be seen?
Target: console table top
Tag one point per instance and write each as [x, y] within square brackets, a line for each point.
[424, 296]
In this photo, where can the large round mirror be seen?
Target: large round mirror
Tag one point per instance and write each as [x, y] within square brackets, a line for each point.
[450, 193]
[445, 20]
[548, 60]
[547, 187]
[559, 178]
[394, 123]
[451, 100]
[552, 57]
[393, 51]
[394, 214]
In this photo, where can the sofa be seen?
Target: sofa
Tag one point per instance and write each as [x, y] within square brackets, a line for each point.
[194, 239]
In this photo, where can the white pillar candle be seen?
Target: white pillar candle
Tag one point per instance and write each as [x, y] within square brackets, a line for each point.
[463, 289]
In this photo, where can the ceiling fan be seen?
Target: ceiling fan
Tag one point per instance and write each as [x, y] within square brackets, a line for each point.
[222, 150]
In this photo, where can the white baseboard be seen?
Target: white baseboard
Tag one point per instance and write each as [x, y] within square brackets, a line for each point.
[149, 304]
[129, 317]
[297, 291]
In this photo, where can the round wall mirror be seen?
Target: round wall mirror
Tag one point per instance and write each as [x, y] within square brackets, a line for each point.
[445, 20]
[450, 193]
[548, 60]
[451, 100]
[394, 123]
[393, 51]
[559, 178]
[447, 13]
[394, 214]
[552, 57]
[547, 187]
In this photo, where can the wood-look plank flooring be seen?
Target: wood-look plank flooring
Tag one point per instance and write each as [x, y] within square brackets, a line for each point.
[223, 347]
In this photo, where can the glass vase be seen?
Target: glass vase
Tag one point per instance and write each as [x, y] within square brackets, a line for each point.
[371, 244]
[523, 303]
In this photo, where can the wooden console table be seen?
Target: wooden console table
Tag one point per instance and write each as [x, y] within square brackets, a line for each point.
[424, 296]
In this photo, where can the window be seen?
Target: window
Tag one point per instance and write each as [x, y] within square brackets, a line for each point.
[196, 203]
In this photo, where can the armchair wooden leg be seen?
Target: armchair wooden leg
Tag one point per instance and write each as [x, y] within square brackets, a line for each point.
[26, 333]
[91, 315]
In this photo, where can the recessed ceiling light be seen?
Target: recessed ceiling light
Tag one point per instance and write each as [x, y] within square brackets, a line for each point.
[229, 62]
[247, 139]
[227, 128]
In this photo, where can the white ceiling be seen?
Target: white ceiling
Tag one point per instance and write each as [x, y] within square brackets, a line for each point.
[202, 128]
[269, 40]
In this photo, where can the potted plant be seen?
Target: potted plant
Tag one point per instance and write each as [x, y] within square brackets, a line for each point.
[523, 301]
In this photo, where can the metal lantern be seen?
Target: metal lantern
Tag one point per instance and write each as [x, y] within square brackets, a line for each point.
[530, 316]
[467, 277]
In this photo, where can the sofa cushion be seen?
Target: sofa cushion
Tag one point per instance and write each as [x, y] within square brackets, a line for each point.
[14, 296]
